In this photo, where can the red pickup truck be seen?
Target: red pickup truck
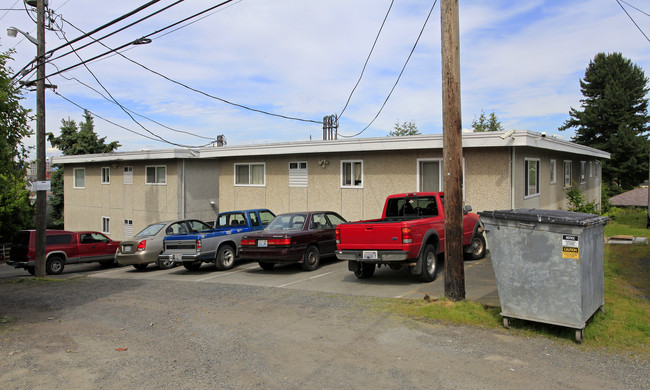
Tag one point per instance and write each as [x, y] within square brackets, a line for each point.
[61, 247]
[411, 234]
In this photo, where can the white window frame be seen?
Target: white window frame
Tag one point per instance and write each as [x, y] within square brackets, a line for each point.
[128, 174]
[155, 183]
[583, 172]
[527, 165]
[250, 172]
[106, 225]
[74, 178]
[440, 175]
[568, 163]
[553, 167]
[352, 174]
[106, 175]
[298, 176]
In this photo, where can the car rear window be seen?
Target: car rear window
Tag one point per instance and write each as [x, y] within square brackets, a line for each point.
[58, 239]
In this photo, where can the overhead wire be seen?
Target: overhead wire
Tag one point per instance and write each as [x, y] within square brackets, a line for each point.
[367, 58]
[632, 19]
[398, 77]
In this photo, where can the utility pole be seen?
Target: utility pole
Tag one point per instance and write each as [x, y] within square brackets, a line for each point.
[41, 188]
[452, 151]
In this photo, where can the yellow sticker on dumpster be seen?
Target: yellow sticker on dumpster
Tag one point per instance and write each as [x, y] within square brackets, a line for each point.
[570, 246]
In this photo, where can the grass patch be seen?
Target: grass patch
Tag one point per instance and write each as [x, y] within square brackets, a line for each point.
[629, 222]
[624, 327]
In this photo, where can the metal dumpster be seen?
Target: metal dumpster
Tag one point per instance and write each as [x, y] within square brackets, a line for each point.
[548, 264]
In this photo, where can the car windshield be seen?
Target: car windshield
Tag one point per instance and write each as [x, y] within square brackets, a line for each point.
[288, 222]
[151, 230]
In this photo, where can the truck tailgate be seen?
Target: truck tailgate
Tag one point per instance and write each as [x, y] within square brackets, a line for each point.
[371, 235]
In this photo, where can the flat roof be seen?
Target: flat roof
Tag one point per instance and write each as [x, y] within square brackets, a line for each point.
[511, 138]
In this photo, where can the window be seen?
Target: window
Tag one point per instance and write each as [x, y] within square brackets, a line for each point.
[128, 175]
[412, 207]
[430, 175]
[583, 172]
[568, 174]
[266, 217]
[352, 174]
[254, 220]
[106, 225]
[250, 174]
[79, 178]
[231, 219]
[106, 175]
[532, 177]
[128, 228]
[553, 171]
[298, 174]
[58, 239]
[156, 175]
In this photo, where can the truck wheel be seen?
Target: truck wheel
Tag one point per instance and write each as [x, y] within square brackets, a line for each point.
[312, 258]
[165, 263]
[266, 265]
[54, 265]
[225, 257]
[31, 270]
[192, 266]
[476, 249]
[140, 267]
[429, 264]
[364, 270]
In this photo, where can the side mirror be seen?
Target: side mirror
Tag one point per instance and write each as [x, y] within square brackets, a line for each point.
[467, 209]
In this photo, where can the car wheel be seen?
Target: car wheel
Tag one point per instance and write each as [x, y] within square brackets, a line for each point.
[266, 265]
[192, 266]
[476, 250]
[54, 265]
[312, 258]
[140, 267]
[225, 257]
[165, 263]
[429, 263]
[364, 270]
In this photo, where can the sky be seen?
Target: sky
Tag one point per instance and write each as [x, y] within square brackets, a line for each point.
[302, 59]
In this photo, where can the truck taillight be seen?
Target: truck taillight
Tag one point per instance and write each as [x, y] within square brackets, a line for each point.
[407, 238]
[198, 245]
[142, 245]
[247, 242]
[338, 236]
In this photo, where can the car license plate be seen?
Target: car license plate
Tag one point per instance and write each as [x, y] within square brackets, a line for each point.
[370, 255]
[262, 243]
[178, 257]
[127, 248]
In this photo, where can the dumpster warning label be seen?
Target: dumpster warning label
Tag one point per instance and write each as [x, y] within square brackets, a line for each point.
[570, 247]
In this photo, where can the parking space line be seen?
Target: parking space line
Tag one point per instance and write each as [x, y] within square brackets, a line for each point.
[304, 280]
[226, 273]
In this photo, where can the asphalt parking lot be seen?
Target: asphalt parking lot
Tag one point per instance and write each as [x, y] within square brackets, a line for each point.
[332, 277]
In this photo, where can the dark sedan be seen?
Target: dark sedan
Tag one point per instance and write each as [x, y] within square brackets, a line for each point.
[302, 238]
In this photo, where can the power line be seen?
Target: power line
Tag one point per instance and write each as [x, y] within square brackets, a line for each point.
[632, 19]
[367, 59]
[643, 12]
[398, 77]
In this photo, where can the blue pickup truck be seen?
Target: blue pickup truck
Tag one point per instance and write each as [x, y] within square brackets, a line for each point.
[220, 245]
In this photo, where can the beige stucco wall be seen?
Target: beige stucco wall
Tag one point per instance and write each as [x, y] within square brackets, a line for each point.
[142, 203]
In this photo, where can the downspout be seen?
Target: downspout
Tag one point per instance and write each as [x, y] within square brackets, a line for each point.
[183, 190]
[512, 178]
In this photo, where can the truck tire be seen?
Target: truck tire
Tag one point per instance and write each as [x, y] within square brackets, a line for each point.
[54, 265]
[429, 264]
[192, 266]
[312, 258]
[31, 270]
[165, 263]
[225, 257]
[476, 249]
[364, 270]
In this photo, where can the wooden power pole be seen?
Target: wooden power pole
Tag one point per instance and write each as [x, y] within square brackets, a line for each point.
[452, 151]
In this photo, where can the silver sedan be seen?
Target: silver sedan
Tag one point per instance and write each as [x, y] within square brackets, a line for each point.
[145, 246]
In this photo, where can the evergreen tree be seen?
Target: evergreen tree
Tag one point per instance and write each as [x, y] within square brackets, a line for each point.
[489, 123]
[74, 140]
[406, 128]
[614, 117]
[16, 210]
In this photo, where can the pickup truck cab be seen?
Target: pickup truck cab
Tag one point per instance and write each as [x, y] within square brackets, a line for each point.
[411, 233]
[61, 247]
[220, 245]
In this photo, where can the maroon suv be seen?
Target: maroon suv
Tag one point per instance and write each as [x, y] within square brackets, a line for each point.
[62, 247]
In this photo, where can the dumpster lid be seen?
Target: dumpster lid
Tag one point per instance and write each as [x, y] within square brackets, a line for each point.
[559, 217]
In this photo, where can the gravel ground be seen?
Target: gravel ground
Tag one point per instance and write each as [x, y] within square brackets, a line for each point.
[114, 334]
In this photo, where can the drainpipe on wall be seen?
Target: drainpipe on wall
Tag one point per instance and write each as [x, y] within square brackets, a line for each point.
[512, 178]
[183, 190]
